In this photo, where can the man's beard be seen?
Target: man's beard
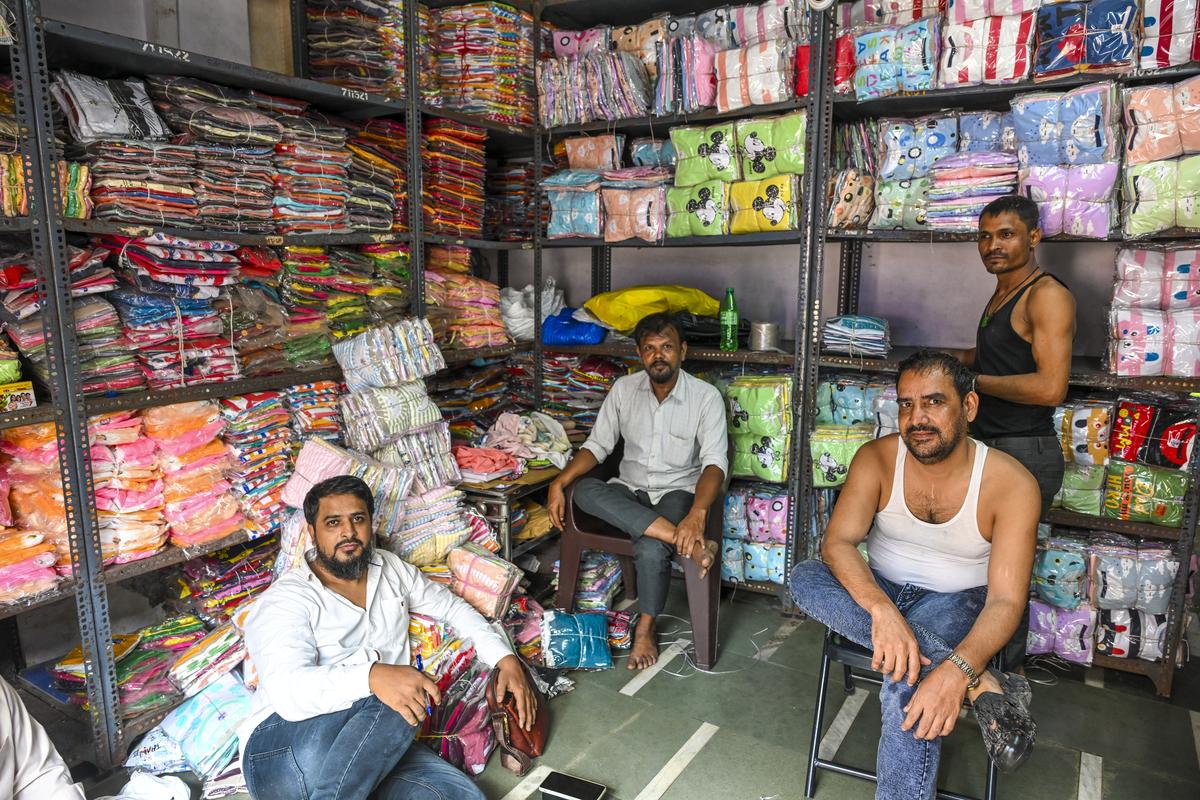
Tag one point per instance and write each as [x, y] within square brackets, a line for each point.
[350, 570]
[661, 377]
[938, 450]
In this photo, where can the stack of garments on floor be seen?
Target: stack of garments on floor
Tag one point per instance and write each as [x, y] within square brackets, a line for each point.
[471, 310]
[35, 490]
[344, 44]
[314, 410]
[484, 54]
[426, 451]
[966, 182]
[379, 158]
[312, 185]
[213, 586]
[598, 582]
[510, 213]
[141, 672]
[128, 486]
[18, 278]
[260, 441]
[857, 335]
[143, 183]
[200, 506]
[434, 524]
[471, 397]
[388, 298]
[454, 175]
[574, 387]
[26, 565]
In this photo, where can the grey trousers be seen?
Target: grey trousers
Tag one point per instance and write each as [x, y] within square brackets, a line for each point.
[632, 513]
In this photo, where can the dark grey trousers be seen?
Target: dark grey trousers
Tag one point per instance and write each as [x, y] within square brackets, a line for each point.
[632, 513]
[1043, 457]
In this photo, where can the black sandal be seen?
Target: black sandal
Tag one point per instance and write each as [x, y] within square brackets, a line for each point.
[1004, 720]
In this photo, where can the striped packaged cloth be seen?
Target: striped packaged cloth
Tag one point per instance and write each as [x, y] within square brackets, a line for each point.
[377, 417]
[389, 355]
[757, 75]
[208, 659]
[992, 50]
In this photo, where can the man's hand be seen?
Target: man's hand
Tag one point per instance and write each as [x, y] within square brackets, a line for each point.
[689, 533]
[556, 503]
[404, 690]
[511, 677]
[935, 705]
[896, 650]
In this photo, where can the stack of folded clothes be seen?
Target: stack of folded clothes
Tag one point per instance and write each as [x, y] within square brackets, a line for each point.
[35, 493]
[392, 33]
[484, 55]
[18, 278]
[315, 411]
[857, 335]
[143, 183]
[510, 213]
[471, 309]
[213, 586]
[26, 565]
[455, 171]
[598, 582]
[347, 309]
[259, 325]
[128, 486]
[312, 185]
[388, 297]
[235, 188]
[471, 397]
[379, 176]
[199, 505]
[97, 109]
[966, 182]
[304, 291]
[574, 387]
[260, 440]
[142, 685]
[344, 45]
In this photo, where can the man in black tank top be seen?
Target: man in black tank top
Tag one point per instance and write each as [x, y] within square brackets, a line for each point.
[1023, 344]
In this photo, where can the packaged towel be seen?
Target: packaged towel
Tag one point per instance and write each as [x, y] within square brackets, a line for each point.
[764, 562]
[767, 516]
[1077, 127]
[574, 213]
[1169, 33]
[1138, 342]
[770, 146]
[1077, 201]
[760, 427]
[899, 12]
[901, 205]
[705, 154]
[1085, 36]
[1162, 195]
[733, 560]
[912, 147]
[766, 205]
[575, 641]
[833, 448]
[483, 579]
[1162, 121]
[1139, 493]
[634, 214]
[768, 21]
[700, 210]
[649, 152]
[1082, 489]
[992, 50]
[736, 523]
[1152, 434]
[985, 131]
[753, 76]
[1160, 279]
[595, 152]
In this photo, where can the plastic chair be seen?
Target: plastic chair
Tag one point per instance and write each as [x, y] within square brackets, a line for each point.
[852, 657]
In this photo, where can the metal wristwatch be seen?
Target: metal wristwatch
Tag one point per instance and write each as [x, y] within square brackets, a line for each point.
[968, 670]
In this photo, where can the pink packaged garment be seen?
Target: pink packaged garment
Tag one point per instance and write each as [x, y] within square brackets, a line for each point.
[767, 519]
[772, 20]
[992, 50]
[753, 76]
[566, 43]
[317, 460]
[1183, 343]
[1138, 347]
[482, 578]
[1162, 121]
[634, 214]
[960, 11]
[594, 152]
[902, 12]
[1161, 279]
[1169, 33]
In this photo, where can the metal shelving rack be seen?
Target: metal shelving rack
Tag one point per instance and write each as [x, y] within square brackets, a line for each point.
[42, 45]
[1086, 373]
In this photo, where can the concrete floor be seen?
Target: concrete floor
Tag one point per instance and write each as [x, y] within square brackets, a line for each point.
[743, 733]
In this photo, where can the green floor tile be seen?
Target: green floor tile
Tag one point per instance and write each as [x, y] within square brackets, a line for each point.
[802, 650]
[734, 765]
[1122, 782]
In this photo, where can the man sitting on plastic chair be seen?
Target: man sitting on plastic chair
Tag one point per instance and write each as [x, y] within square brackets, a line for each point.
[674, 465]
[950, 526]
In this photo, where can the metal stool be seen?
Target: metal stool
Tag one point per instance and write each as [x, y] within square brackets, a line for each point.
[852, 658]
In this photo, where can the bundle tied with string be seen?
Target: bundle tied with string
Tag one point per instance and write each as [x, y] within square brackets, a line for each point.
[389, 355]
[425, 450]
[434, 524]
[374, 418]
[483, 579]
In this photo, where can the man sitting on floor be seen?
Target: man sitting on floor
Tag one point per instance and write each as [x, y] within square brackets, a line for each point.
[338, 706]
[675, 461]
[950, 526]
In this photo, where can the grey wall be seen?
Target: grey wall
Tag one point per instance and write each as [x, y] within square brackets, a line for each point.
[217, 28]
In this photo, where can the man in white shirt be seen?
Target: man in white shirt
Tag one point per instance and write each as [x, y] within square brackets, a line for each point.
[337, 706]
[675, 460]
[30, 767]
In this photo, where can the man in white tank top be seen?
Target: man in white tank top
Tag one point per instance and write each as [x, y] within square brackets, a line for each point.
[950, 527]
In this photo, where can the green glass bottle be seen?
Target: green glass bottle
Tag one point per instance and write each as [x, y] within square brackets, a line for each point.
[729, 323]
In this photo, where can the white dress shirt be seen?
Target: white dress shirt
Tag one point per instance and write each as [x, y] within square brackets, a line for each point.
[30, 767]
[667, 444]
[313, 649]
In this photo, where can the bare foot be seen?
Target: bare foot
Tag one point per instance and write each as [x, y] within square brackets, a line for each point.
[705, 556]
[645, 644]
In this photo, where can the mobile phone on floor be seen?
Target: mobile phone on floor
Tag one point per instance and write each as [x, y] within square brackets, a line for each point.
[558, 786]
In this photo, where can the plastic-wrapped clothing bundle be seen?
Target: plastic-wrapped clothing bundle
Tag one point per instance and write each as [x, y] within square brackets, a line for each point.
[833, 448]
[425, 451]
[260, 442]
[1092, 36]
[687, 80]
[1140, 493]
[1161, 195]
[992, 50]
[574, 387]
[434, 524]
[1152, 434]
[857, 335]
[315, 411]
[1169, 36]
[316, 461]
[216, 585]
[964, 183]
[1082, 126]
[770, 146]
[484, 61]
[312, 182]
[634, 214]
[1077, 201]
[1162, 121]
[26, 565]
[754, 75]
[896, 59]
[389, 355]
[205, 726]
[598, 581]
[96, 108]
[510, 215]
[379, 156]
[344, 44]
[472, 308]
[1158, 278]
[1082, 489]
[377, 417]
[1060, 572]
[128, 488]
[1084, 431]
[172, 634]
[207, 660]
[141, 673]
[143, 183]
[461, 724]
[455, 171]
[18, 279]
[35, 491]
[1126, 633]
[759, 206]
[912, 147]
[1144, 342]
[575, 641]
[595, 86]
[470, 398]
[483, 579]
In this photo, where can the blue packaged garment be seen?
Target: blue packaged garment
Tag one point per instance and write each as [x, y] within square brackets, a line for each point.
[652, 153]
[733, 560]
[575, 641]
[1059, 572]
[561, 329]
[735, 519]
[764, 562]
[981, 131]
[1036, 126]
[574, 213]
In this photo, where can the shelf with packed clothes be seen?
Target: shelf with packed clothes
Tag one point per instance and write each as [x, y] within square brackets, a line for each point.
[725, 240]
[99, 227]
[1086, 373]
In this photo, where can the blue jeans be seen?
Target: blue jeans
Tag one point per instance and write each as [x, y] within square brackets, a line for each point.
[366, 751]
[907, 766]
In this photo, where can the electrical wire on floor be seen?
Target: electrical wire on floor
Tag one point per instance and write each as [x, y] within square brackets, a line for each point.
[1041, 669]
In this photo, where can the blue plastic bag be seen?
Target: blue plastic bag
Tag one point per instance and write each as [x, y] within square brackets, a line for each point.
[575, 641]
[560, 329]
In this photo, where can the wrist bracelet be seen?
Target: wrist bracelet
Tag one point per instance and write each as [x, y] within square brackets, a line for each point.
[968, 670]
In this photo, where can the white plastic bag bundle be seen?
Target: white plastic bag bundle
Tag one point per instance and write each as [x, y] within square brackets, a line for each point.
[516, 307]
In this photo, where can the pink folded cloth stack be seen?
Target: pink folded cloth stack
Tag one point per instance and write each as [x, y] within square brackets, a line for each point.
[128, 488]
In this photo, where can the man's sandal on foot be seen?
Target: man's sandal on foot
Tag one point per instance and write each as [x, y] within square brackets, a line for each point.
[1004, 720]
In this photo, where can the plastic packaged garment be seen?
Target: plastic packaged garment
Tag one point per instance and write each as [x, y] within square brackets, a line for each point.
[207, 660]
[595, 152]
[483, 579]
[453, 193]
[1078, 201]
[899, 12]
[1084, 432]
[752, 76]
[622, 309]
[1081, 126]
[985, 131]
[205, 726]
[1113, 574]
[1155, 343]
[1082, 489]
[157, 754]
[705, 154]
[648, 152]
[26, 566]
[857, 335]
[764, 562]
[733, 560]
[1125, 633]
[1162, 195]
[634, 214]
[963, 184]
[767, 21]
[579, 43]
[994, 50]
[912, 147]
[1059, 572]
[1162, 121]
[852, 201]
[1169, 36]
[1139, 493]
[574, 213]
[759, 206]
[896, 59]
[261, 442]
[736, 523]
[575, 641]
[1074, 634]
[716, 26]
[767, 518]
[426, 452]
[687, 80]
[760, 427]
[562, 329]
[483, 54]
[1042, 628]
[434, 524]
[1158, 279]
[100, 109]
[1151, 434]
[699, 210]
[770, 146]
[642, 41]
[389, 355]
[833, 448]
[1097, 35]
[1157, 568]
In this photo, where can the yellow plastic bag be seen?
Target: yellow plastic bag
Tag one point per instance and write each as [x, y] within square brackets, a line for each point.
[624, 308]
